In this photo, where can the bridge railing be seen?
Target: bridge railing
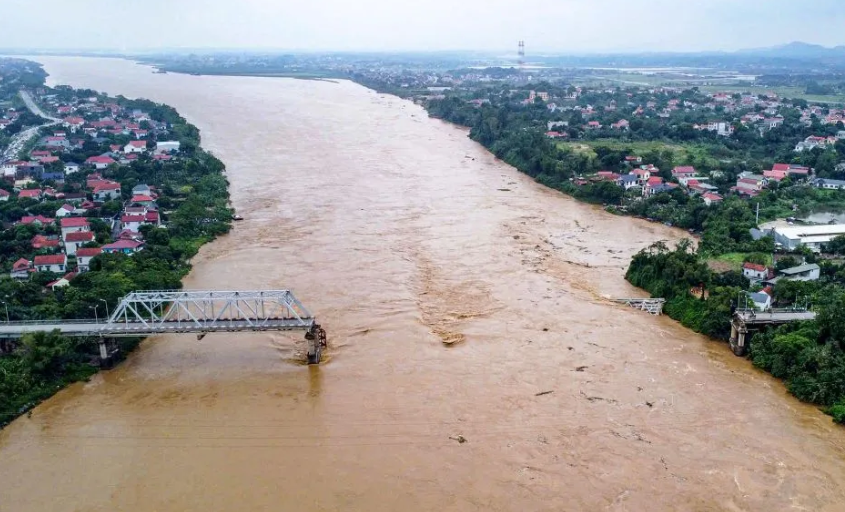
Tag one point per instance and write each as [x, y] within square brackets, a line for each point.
[101, 321]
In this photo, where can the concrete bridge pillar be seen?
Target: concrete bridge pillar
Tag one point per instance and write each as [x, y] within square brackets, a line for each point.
[104, 351]
[316, 339]
[738, 332]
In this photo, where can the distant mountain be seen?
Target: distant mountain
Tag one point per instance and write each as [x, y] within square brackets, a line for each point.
[797, 50]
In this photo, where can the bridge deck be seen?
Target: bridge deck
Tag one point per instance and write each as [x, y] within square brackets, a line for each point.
[776, 317]
[116, 330]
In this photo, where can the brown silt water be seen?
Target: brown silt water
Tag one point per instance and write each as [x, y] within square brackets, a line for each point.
[463, 302]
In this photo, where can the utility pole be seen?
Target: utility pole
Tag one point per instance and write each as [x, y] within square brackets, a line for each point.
[758, 215]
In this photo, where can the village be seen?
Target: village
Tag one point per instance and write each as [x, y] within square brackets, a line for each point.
[73, 210]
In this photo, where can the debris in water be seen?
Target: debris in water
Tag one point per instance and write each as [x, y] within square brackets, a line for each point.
[503, 189]
[545, 329]
[650, 404]
[459, 438]
[570, 348]
[581, 368]
[598, 398]
[516, 237]
[541, 393]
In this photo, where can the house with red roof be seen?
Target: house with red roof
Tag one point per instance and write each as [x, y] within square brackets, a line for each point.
[4, 195]
[775, 175]
[73, 123]
[30, 193]
[711, 198]
[39, 242]
[100, 162]
[755, 272]
[65, 210]
[21, 269]
[621, 125]
[683, 171]
[84, 255]
[61, 282]
[142, 199]
[73, 225]
[132, 221]
[106, 190]
[75, 240]
[38, 220]
[642, 175]
[135, 146]
[128, 247]
[51, 263]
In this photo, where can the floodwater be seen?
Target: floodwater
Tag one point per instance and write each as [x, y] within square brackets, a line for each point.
[401, 234]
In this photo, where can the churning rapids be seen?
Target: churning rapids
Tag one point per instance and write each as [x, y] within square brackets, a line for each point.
[402, 236]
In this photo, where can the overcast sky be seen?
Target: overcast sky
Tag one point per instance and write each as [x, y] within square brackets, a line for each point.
[390, 25]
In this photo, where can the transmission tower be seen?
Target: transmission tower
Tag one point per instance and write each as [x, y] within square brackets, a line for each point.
[521, 54]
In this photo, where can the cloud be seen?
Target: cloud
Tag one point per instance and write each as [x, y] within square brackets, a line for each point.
[386, 25]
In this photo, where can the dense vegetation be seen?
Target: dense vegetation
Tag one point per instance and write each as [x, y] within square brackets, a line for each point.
[809, 356]
[193, 201]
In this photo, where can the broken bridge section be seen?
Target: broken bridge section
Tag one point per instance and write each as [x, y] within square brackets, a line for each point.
[145, 313]
[747, 320]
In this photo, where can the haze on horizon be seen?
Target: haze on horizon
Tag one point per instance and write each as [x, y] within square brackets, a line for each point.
[561, 26]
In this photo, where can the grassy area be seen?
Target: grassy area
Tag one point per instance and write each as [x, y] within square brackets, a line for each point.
[623, 78]
[681, 151]
[734, 261]
[783, 92]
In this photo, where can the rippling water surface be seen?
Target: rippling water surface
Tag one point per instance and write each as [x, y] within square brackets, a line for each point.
[402, 235]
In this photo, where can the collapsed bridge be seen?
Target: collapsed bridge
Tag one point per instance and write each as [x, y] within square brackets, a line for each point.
[145, 313]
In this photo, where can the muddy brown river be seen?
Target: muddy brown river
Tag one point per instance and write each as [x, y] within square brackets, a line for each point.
[401, 234]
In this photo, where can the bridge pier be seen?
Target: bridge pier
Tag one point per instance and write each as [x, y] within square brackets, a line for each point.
[108, 349]
[738, 334]
[316, 339]
[104, 351]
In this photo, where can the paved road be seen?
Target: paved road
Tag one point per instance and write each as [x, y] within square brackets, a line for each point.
[19, 140]
[35, 109]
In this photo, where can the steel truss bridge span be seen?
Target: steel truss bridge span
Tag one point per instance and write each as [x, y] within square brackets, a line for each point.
[145, 313]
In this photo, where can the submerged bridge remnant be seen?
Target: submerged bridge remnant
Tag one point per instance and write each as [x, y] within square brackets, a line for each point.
[747, 320]
[145, 313]
[653, 306]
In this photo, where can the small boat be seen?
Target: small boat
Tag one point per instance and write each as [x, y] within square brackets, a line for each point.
[237, 217]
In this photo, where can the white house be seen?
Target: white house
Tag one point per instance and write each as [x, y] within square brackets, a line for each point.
[73, 225]
[4, 195]
[65, 211]
[71, 167]
[761, 300]
[141, 190]
[755, 272]
[20, 269]
[829, 184]
[51, 263]
[808, 272]
[132, 222]
[84, 256]
[167, 146]
[73, 241]
[135, 146]
[106, 191]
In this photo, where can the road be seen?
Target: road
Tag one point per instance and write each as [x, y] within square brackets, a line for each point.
[19, 140]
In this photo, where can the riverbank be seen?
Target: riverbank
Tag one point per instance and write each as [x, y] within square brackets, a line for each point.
[398, 233]
[167, 206]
